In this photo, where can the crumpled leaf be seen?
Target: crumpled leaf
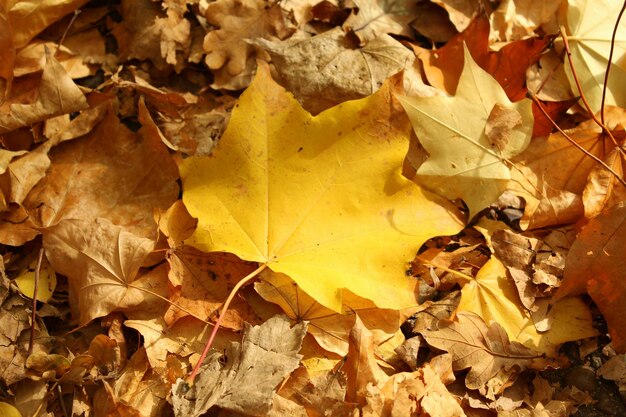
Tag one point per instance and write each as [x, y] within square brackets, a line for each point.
[248, 379]
[309, 196]
[485, 350]
[595, 265]
[101, 261]
[463, 162]
[56, 94]
[379, 17]
[229, 54]
[334, 71]
[590, 25]
[418, 393]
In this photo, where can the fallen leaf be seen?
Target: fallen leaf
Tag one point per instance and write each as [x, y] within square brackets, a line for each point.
[247, 380]
[361, 367]
[229, 54]
[29, 17]
[590, 27]
[551, 175]
[25, 281]
[486, 350]
[330, 329]
[418, 393]
[291, 191]
[7, 410]
[462, 161]
[460, 12]
[110, 173]
[378, 17]
[603, 190]
[494, 297]
[101, 261]
[334, 71]
[594, 265]
[518, 19]
[55, 94]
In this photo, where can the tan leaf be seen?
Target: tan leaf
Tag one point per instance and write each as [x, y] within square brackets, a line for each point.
[248, 379]
[517, 19]
[333, 71]
[373, 18]
[500, 124]
[487, 351]
[361, 366]
[461, 12]
[55, 94]
[101, 261]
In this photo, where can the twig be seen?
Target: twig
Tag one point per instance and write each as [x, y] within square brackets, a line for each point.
[67, 29]
[573, 142]
[34, 313]
[608, 65]
[209, 343]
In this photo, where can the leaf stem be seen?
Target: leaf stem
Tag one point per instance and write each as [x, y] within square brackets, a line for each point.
[34, 313]
[209, 342]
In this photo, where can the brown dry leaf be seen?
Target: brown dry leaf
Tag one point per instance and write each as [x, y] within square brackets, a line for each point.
[146, 32]
[373, 18]
[136, 390]
[517, 19]
[34, 100]
[330, 329]
[603, 189]
[461, 12]
[500, 123]
[110, 173]
[335, 72]
[433, 22]
[15, 319]
[29, 17]
[596, 265]
[202, 282]
[101, 261]
[246, 382]
[183, 341]
[61, 128]
[229, 54]
[551, 175]
[7, 52]
[361, 366]
[419, 393]
[16, 228]
[615, 370]
[177, 224]
[493, 359]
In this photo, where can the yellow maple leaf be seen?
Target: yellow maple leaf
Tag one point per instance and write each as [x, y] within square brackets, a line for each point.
[469, 137]
[320, 199]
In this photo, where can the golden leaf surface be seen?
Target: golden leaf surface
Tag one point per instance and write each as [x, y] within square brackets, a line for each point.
[320, 199]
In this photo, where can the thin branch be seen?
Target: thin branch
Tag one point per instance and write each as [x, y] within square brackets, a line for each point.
[573, 142]
[608, 65]
[34, 313]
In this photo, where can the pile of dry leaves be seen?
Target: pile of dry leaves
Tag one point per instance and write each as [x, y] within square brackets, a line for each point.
[427, 198]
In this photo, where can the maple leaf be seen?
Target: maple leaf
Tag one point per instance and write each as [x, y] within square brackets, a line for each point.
[589, 28]
[253, 369]
[101, 261]
[486, 350]
[310, 196]
[494, 297]
[463, 162]
[595, 265]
